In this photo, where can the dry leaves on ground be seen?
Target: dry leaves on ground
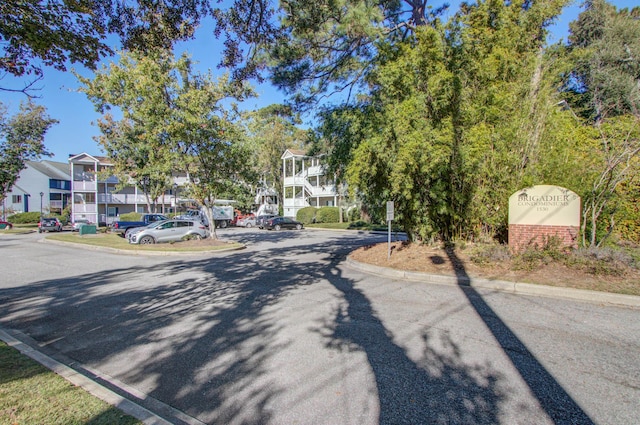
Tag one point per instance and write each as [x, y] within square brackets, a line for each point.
[456, 262]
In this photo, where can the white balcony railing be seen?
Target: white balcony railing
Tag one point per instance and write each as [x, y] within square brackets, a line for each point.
[121, 198]
[84, 208]
[84, 186]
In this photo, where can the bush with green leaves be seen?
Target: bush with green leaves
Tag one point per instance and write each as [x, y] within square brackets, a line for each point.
[132, 216]
[306, 215]
[25, 218]
[354, 214]
[328, 215]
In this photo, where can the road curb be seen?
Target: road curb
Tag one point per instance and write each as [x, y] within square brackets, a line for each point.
[519, 288]
[90, 385]
[136, 252]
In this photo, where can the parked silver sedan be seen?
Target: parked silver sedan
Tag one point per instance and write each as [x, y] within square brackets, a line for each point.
[168, 231]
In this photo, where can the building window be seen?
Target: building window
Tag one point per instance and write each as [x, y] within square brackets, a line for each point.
[16, 199]
[288, 167]
[288, 192]
[298, 165]
[84, 198]
[59, 184]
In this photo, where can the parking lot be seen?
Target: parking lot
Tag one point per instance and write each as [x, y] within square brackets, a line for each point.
[283, 332]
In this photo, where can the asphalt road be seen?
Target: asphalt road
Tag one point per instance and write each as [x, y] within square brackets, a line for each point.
[284, 332]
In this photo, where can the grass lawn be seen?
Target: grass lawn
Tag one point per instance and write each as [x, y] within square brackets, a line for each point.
[32, 394]
[111, 240]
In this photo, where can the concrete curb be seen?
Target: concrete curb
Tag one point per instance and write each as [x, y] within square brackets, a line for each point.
[136, 252]
[519, 288]
[90, 385]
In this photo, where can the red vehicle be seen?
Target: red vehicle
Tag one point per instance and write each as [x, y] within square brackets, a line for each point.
[5, 225]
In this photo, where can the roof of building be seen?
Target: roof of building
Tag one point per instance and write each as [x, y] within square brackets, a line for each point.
[51, 169]
[92, 158]
[293, 152]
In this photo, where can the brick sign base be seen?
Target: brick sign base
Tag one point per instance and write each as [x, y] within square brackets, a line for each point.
[523, 236]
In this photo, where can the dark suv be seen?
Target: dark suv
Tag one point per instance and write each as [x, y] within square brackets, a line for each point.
[262, 219]
[49, 224]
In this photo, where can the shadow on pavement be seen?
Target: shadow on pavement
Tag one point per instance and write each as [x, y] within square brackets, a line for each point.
[555, 401]
[201, 336]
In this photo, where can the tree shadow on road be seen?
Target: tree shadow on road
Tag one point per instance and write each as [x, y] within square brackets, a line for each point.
[555, 401]
[201, 337]
[440, 388]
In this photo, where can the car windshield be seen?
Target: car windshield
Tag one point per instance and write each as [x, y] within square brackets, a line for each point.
[153, 225]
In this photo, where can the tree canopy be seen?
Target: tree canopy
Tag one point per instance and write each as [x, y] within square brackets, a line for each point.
[21, 140]
[174, 121]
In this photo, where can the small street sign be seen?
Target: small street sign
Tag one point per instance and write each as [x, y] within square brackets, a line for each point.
[389, 210]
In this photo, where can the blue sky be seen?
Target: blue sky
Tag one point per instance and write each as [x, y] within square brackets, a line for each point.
[74, 134]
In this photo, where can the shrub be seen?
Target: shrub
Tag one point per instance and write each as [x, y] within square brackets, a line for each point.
[359, 224]
[306, 215]
[483, 254]
[328, 215]
[602, 261]
[25, 218]
[535, 255]
[132, 216]
[354, 214]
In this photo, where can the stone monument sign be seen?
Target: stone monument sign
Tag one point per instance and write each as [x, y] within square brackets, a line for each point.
[540, 212]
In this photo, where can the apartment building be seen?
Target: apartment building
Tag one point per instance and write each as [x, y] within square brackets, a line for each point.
[96, 198]
[42, 186]
[306, 183]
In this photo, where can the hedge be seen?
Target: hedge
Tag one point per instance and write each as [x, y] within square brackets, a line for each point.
[306, 215]
[132, 216]
[25, 218]
[328, 215]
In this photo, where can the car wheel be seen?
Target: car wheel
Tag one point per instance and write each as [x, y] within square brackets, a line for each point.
[39, 230]
[299, 226]
[147, 240]
[223, 224]
[248, 225]
[277, 227]
[196, 237]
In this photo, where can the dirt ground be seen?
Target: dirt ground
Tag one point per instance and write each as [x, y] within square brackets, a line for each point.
[436, 260]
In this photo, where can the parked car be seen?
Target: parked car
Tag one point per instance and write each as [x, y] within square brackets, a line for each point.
[248, 220]
[49, 224]
[261, 219]
[5, 225]
[168, 231]
[79, 222]
[277, 223]
[122, 226]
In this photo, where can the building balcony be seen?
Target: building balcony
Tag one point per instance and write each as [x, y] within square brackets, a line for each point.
[121, 199]
[84, 208]
[84, 186]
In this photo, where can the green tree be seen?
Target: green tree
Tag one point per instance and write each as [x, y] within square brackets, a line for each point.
[604, 89]
[35, 34]
[21, 139]
[455, 121]
[270, 132]
[605, 46]
[173, 121]
[207, 142]
[138, 87]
